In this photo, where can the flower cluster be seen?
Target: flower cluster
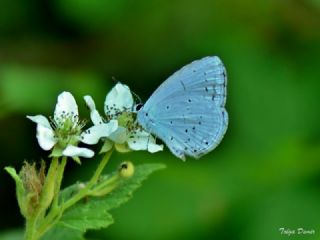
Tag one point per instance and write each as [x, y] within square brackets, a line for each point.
[118, 127]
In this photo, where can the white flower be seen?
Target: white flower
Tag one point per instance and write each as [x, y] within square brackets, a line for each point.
[118, 106]
[64, 132]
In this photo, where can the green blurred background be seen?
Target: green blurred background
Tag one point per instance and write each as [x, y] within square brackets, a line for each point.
[265, 174]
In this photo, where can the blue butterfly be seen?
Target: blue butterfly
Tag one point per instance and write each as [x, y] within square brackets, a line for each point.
[187, 111]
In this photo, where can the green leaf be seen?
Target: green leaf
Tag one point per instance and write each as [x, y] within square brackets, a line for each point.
[92, 213]
[87, 216]
[60, 232]
[20, 191]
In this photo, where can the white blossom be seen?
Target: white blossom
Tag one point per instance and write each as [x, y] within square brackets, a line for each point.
[64, 131]
[129, 135]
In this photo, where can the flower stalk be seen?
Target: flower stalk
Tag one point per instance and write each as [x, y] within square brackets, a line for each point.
[46, 197]
[90, 188]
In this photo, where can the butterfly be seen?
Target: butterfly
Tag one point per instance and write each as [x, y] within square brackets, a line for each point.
[187, 111]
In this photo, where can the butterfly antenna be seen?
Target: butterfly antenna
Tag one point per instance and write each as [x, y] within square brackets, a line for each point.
[115, 81]
[136, 96]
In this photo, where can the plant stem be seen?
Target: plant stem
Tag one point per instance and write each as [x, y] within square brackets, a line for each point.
[56, 212]
[105, 188]
[100, 168]
[30, 229]
[44, 202]
[83, 192]
[60, 171]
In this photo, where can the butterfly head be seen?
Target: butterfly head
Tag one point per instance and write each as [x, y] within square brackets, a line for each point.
[137, 107]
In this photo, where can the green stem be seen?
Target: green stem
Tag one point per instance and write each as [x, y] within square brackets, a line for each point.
[56, 213]
[109, 182]
[83, 192]
[44, 202]
[100, 168]
[60, 172]
[30, 229]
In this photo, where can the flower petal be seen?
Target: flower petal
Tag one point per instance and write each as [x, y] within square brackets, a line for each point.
[93, 134]
[119, 97]
[45, 137]
[40, 119]
[73, 151]
[153, 147]
[138, 143]
[94, 114]
[66, 106]
[45, 133]
[119, 136]
[142, 140]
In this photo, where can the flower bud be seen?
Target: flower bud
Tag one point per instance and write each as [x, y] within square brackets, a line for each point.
[31, 182]
[126, 169]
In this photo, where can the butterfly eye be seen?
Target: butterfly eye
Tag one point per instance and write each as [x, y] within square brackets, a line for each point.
[138, 106]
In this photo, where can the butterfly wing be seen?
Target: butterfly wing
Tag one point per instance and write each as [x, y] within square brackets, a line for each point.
[188, 111]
